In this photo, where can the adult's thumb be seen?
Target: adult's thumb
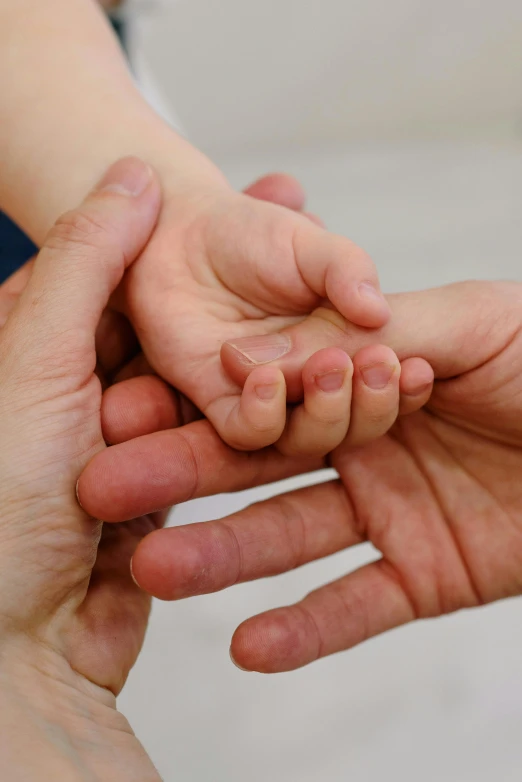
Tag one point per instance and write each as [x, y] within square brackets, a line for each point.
[85, 256]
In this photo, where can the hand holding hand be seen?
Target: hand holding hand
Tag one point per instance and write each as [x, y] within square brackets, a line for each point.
[224, 266]
[439, 496]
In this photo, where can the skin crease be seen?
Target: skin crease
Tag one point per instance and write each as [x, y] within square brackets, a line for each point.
[231, 267]
[72, 619]
[220, 264]
[81, 617]
[459, 459]
[439, 496]
[117, 358]
[116, 347]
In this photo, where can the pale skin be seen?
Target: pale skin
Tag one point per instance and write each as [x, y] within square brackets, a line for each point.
[138, 132]
[466, 568]
[219, 265]
[439, 495]
[72, 619]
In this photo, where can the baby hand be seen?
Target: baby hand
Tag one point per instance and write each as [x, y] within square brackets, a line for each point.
[344, 400]
[223, 266]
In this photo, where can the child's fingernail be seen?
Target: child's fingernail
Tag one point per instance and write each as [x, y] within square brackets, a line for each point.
[377, 376]
[331, 381]
[267, 392]
[129, 177]
[263, 348]
[369, 293]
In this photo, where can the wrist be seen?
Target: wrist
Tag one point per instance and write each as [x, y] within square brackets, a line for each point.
[55, 724]
[183, 170]
[55, 144]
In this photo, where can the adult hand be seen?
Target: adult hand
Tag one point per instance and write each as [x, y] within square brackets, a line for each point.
[439, 497]
[71, 619]
[139, 402]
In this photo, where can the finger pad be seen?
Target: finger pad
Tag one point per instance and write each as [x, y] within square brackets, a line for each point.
[274, 642]
[136, 407]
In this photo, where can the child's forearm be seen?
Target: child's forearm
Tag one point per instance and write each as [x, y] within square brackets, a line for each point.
[68, 108]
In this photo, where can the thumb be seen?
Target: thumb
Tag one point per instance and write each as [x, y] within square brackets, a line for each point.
[455, 328]
[85, 256]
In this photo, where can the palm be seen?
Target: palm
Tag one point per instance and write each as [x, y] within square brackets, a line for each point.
[238, 268]
[109, 627]
[201, 302]
[461, 460]
[109, 616]
[441, 504]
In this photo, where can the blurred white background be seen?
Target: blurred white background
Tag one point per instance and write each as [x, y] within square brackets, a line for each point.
[404, 121]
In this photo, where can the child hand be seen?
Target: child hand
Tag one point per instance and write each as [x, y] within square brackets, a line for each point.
[356, 400]
[348, 401]
[223, 266]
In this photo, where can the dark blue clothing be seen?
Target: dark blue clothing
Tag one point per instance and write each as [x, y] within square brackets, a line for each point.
[15, 247]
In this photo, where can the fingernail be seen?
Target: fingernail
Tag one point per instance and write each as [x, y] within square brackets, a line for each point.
[267, 391]
[263, 348]
[330, 381]
[369, 292]
[129, 177]
[132, 574]
[77, 490]
[377, 376]
[237, 664]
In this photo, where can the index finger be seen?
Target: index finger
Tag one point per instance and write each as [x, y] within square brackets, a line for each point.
[158, 470]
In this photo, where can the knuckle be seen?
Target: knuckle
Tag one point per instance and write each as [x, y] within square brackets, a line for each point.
[299, 443]
[77, 229]
[248, 439]
[83, 236]
[380, 420]
[335, 326]
[260, 427]
[352, 253]
[370, 429]
[329, 419]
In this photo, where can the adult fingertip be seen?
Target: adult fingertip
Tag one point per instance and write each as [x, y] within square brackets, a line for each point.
[144, 569]
[129, 177]
[273, 642]
[235, 662]
[375, 306]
